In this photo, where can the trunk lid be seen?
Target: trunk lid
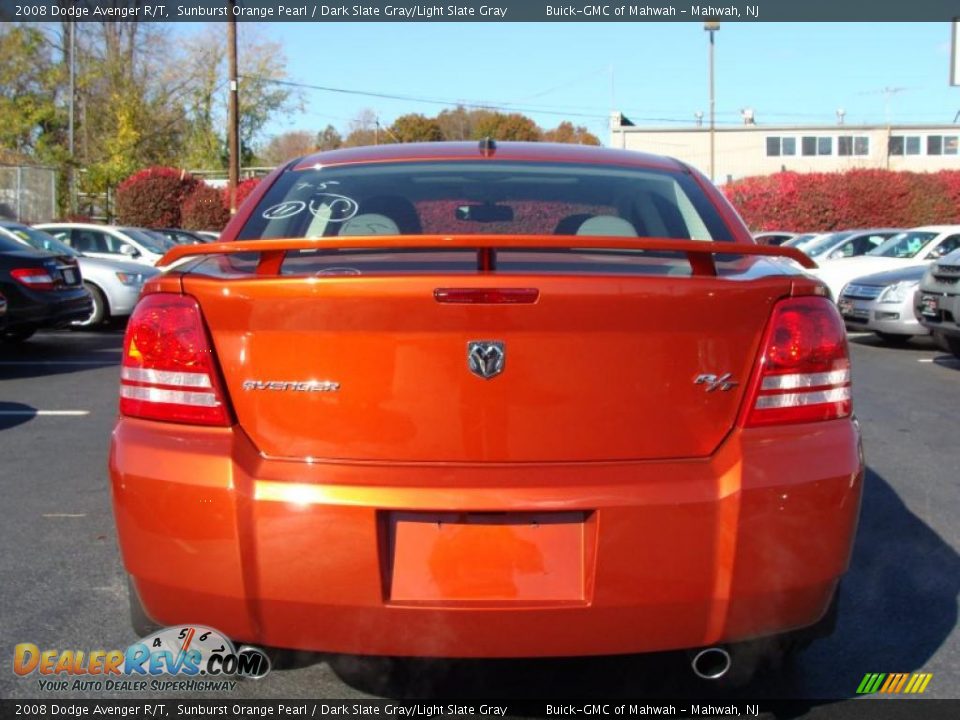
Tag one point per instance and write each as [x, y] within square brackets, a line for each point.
[597, 369]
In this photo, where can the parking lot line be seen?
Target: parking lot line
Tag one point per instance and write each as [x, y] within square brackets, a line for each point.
[64, 515]
[54, 413]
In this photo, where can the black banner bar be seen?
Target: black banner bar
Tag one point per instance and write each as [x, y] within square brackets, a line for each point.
[175, 709]
[478, 11]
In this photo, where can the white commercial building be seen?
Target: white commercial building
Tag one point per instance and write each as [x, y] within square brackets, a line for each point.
[750, 149]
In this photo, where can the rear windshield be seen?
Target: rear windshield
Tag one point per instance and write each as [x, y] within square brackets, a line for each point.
[484, 197]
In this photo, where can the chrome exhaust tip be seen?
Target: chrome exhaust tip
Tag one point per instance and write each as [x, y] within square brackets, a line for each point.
[711, 663]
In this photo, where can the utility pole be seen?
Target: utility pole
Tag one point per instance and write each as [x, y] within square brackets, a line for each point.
[233, 121]
[712, 27]
[71, 179]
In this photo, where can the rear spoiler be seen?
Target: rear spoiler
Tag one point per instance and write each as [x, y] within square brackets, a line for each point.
[272, 252]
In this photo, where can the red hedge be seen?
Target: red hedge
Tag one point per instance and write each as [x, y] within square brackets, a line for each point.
[243, 192]
[204, 209]
[153, 197]
[812, 202]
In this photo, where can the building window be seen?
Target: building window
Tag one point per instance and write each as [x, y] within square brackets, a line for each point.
[777, 146]
[941, 144]
[816, 145]
[853, 145]
[904, 145]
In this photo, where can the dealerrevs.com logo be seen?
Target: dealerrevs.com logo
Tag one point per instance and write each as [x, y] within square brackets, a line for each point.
[181, 658]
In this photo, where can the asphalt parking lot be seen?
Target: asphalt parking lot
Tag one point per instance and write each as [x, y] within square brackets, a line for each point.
[63, 585]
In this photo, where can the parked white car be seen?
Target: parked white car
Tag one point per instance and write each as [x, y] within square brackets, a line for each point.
[849, 243]
[919, 246]
[110, 242]
[114, 285]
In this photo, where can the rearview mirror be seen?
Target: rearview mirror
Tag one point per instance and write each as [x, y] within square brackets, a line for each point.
[129, 250]
[486, 213]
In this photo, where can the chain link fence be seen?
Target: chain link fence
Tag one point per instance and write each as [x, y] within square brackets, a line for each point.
[28, 194]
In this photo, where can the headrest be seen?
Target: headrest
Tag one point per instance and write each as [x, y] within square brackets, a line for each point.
[369, 224]
[602, 225]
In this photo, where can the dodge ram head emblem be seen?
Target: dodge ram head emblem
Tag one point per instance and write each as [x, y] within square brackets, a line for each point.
[486, 358]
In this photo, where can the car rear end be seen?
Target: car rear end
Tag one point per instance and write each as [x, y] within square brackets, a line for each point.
[481, 443]
[42, 289]
[938, 300]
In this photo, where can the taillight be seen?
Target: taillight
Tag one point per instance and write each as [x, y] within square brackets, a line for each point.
[805, 367]
[168, 371]
[34, 278]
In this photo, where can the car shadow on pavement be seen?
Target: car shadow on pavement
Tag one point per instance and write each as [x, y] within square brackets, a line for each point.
[13, 414]
[947, 361]
[898, 606]
[56, 353]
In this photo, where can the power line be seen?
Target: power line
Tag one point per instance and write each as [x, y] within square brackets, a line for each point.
[428, 101]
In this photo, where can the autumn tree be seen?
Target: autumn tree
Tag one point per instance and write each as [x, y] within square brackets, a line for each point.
[287, 146]
[263, 67]
[415, 128]
[261, 94]
[565, 132]
[503, 126]
[457, 124]
[33, 119]
[364, 129]
[328, 138]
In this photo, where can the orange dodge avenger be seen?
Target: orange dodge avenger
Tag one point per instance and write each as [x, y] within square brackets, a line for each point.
[488, 400]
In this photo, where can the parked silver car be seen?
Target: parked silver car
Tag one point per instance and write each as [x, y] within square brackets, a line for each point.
[883, 303]
[938, 300]
[114, 284]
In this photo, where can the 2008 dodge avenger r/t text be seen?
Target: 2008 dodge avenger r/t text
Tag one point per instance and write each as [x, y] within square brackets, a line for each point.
[488, 400]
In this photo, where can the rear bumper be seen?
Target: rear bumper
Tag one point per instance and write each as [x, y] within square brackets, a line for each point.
[51, 309]
[590, 558]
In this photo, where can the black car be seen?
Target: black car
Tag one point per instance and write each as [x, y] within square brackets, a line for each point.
[41, 290]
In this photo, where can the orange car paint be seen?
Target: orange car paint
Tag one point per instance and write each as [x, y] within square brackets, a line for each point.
[377, 521]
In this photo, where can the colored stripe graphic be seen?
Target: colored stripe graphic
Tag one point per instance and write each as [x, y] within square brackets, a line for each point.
[918, 683]
[870, 683]
[892, 683]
